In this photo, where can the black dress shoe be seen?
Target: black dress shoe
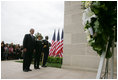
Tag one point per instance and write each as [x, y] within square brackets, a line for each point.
[29, 70]
[38, 68]
[25, 70]
[35, 68]
[44, 66]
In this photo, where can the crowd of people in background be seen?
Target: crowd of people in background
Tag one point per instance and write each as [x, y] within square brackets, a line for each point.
[11, 51]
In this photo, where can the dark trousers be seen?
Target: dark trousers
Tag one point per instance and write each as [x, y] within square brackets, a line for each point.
[2, 57]
[37, 56]
[27, 59]
[46, 53]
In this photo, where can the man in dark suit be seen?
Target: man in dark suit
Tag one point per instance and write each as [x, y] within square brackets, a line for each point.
[46, 46]
[28, 48]
[37, 54]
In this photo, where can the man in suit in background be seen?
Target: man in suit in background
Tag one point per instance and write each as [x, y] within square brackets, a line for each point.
[28, 48]
[46, 46]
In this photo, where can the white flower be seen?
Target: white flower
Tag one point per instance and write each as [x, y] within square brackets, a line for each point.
[88, 38]
[87, 34]
[90, 30]
[87, 15]
[88, 3]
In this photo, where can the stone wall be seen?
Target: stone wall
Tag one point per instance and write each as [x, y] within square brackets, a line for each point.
[77, 53]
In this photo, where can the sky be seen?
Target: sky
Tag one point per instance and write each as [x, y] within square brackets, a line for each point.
[18, 17]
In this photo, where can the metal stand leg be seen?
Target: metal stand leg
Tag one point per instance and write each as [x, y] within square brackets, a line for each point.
[102, 58]
[112, 62]
[112, 59]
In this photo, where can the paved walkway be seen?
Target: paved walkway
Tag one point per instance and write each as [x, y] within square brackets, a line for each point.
[13, 70]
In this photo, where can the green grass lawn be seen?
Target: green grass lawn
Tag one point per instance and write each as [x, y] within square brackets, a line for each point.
[57, 65]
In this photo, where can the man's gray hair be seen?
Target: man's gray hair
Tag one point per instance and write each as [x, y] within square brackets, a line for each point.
[31, 29]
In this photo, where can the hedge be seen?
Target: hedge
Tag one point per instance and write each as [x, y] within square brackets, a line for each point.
[54, 60]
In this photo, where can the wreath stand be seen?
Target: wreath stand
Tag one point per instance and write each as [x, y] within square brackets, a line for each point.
[101, 63]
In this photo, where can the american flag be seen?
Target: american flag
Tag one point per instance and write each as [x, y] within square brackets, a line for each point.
[53, 46]
[59, 45]
[61, 50]
[56, 48]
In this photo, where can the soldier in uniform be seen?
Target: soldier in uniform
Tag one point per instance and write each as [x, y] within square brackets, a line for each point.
[46, 46]
[37, 54]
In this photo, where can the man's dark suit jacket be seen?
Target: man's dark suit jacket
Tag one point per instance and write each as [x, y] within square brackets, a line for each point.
[29, 42]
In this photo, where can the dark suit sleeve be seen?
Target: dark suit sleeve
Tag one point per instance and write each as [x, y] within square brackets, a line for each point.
[35, 44]
[25, 41]
[49, 44]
